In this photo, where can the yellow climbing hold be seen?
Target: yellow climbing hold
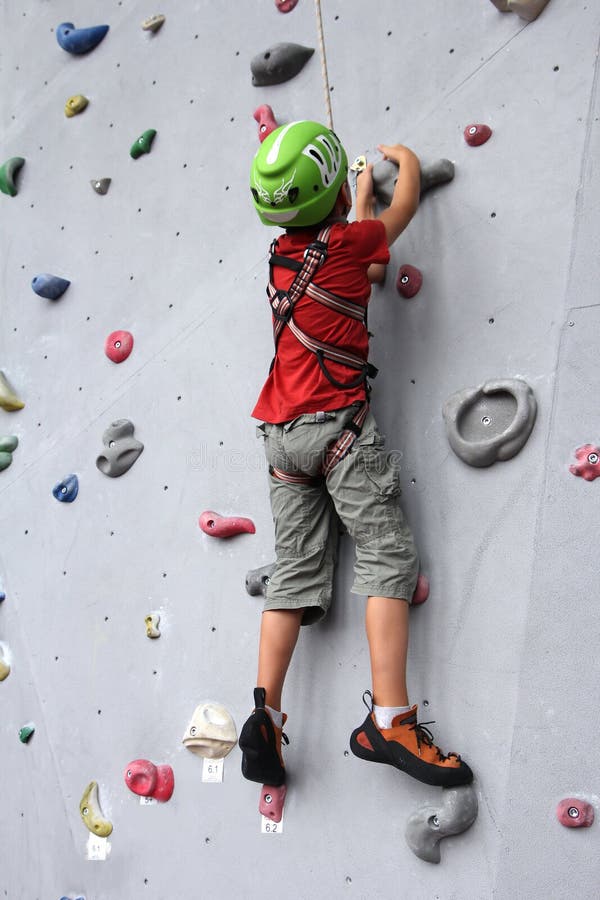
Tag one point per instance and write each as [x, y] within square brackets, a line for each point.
[75, 104]
[8, 399]
[4, 662]
[91, 813]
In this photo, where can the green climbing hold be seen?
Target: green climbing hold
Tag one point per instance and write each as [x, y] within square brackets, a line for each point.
[7, 175]
[8, 445]
[143, 143]
[26, 731]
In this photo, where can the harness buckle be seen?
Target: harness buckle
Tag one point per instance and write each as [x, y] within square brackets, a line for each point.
[319, 248]
[276, 302]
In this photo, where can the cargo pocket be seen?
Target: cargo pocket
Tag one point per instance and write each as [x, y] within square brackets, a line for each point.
[380, 467]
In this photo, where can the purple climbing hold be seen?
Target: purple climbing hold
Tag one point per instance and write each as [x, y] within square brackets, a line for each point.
[79, 40]
[50, 286]
[409, 281]
[574, 813]
[271, 801]
[266, 121]
[285, 6]
[588, 462]
[475, 135]
[67, 489]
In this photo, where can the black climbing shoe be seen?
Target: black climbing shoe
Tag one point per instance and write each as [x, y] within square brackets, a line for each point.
[260, 743]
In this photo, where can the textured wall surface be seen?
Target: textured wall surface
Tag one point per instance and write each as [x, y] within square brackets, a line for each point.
[503, 652]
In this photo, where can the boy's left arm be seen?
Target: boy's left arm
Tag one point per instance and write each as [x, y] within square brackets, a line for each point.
[365, 209]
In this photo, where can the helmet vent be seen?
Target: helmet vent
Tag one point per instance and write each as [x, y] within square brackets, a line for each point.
[293, 194]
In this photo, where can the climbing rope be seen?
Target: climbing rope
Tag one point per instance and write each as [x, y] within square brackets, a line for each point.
[324, 64]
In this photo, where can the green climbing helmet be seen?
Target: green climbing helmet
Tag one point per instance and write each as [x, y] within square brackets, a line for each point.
[297, 174]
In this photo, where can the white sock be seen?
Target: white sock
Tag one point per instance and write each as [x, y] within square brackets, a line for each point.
[276, 716]
[385, 714]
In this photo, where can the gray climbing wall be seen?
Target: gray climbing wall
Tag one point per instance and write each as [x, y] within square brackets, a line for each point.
[502, 654]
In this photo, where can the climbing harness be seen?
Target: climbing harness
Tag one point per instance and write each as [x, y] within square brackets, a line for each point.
[282, 306]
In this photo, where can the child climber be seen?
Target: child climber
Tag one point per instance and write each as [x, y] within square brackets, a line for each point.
[326, 457]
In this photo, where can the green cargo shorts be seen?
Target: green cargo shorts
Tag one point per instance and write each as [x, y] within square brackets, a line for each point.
[363, 490]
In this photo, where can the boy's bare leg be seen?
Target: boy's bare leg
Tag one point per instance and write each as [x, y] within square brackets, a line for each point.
[278, 635]
[387, 632]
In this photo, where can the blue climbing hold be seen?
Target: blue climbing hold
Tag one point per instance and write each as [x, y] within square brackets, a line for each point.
[2, 596]
[50, 286]
[79, 40]
[67, 489]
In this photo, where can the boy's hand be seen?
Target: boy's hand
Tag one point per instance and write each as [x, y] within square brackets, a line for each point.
[364, 182]
[395, 152]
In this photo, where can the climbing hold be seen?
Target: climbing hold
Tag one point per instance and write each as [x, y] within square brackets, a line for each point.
[75, 105]
[490, 422]
[143, 143]
[8, 398]
[2, 596]
[8, 445]
[271, 801]
[575, 813]
[224, 526]
[8, 173]
[153, 23]
[50, 286]
[144, 778]
[26, 732]
[101, 185]
[427, 826]
[67, 489]
[475, 135]
[91, 814]
[385, 176]
[588, 466]
[421, 592]
[152, 620]
[258, 579]
[121, 448]
[118, 345]
[409, 281]
[4, 661]
[285, 6]
[79, 40]
[211, 732]
[266, 121]
[279, 63]
[525, 9]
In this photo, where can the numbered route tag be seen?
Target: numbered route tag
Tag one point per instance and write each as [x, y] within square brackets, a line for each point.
[148, 801]
[98, 848]
[212, 770]
[267, 826]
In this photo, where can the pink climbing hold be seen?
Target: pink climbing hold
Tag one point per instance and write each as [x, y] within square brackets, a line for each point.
[575, 813]
[285, 5]
[475, 135]
[144, 778]
[266, 121]
[118, 345]
[409, 281]
[588, 466]
[271, 802]
[421, 591]
[224, 526]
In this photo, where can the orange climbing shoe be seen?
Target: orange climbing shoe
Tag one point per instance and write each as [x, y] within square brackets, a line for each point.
[260, 743]
[410, 748]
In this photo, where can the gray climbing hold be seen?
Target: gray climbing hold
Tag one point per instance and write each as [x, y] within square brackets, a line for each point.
[100, 185]
[49, 286]
[490, 422]
[279, 63]
[258, 579]
[8, 445]
[121, 449]
[525, 9]
[385, 176]
[153, 23]
[427, 826]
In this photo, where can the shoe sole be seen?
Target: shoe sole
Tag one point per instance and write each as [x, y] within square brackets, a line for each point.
[394, 754]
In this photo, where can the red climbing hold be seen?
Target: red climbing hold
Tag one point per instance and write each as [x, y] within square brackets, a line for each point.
[144, 778]
[421, 591]
[285, 5]
[118, 345]
[475, 135]
[409, 281]
[266, 121]
[588, 466]
[575, 813]
[271, 802]
[224, 526]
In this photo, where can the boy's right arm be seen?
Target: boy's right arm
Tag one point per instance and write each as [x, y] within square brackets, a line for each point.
[405, 199]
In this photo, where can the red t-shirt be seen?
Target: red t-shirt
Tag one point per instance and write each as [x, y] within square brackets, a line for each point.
[296, 384]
